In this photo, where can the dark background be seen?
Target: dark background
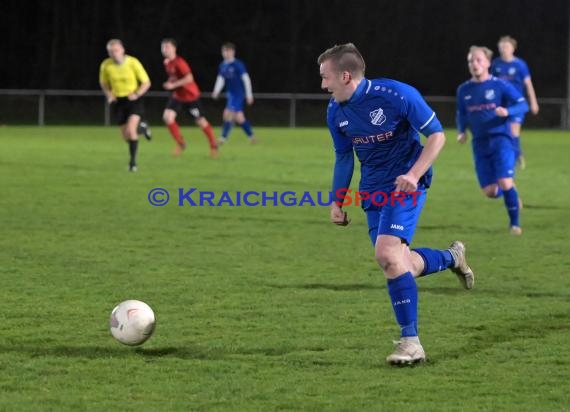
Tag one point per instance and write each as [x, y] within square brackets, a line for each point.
[59, 44]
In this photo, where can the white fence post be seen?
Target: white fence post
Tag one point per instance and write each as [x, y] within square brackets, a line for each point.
[292, 111]
[41, 108]
[107, 113]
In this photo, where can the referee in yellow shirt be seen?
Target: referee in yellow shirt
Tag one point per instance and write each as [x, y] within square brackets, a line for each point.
[124, 81]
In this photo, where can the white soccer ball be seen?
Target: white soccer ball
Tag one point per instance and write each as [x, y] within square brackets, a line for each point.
[132, 322]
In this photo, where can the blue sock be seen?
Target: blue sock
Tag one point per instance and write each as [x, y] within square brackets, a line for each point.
[435, 260]
[226, 129]
[246, 126]
[517, 146]
[512, 204]
[404, 295]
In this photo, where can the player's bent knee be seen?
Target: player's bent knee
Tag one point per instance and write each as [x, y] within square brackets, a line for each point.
[228, 116]
[490, 191]
[506, 184]
[240, 117]
[385, 259]
[169, 117]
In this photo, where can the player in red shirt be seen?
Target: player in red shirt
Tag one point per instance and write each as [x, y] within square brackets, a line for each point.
[185, 97]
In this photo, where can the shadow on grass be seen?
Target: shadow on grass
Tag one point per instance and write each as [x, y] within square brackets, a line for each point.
[543, 207]
[100, 352]
[348, 287]
[189, 351]
[460, 228]
[493, 292]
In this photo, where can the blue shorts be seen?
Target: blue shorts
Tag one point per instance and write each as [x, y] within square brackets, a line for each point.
[394, 217]
[235, 103]
[494, 159]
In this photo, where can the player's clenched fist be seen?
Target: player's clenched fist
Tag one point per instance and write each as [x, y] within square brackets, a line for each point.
[338, 216]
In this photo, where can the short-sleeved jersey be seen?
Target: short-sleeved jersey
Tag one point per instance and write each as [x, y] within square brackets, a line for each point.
[176, 69]
[476, 104]
[232, 72]
[124, 78]
[381, 122]
[515, 71]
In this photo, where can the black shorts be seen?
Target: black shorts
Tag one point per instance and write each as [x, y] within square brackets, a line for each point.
[194, 108]
[124, 108]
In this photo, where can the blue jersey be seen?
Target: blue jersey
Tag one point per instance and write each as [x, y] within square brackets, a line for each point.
[515, 71]
[380, 123]
[232, 72]
[476, 104]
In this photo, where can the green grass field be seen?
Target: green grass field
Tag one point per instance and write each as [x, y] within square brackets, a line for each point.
[267, 308]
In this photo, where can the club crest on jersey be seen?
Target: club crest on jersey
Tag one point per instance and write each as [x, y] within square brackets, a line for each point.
[377, 117]
[489, 94]
[512, 70]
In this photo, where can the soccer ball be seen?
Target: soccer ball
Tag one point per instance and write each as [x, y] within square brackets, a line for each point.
[132, 322]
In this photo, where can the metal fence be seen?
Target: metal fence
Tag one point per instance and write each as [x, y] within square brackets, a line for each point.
[29, 106]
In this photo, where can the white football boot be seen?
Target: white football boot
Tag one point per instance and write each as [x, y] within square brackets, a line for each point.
[408, 351]
[461, 269]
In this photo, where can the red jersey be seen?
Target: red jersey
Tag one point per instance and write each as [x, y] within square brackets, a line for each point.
[177, 69]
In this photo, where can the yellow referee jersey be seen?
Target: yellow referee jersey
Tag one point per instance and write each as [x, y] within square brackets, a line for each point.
[124, 78]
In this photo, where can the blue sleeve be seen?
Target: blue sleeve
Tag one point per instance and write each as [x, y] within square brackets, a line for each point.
[344, 158]
[418, 113]
[461, 115]
[518, 108]
[342, 174]
[514, 101]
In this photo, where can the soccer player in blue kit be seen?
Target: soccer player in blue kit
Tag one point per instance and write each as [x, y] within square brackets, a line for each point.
[380, 120]
[515, 70]
[485, 104]
[233, 75]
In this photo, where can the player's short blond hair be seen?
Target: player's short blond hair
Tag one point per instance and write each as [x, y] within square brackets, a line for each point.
[508, 39]
[345, 57]
[113, 42]
[486, 51]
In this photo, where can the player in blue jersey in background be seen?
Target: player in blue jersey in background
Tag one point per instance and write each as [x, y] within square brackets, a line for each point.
[233, 75]
[380, 120]
[485, 104]
[515, 70]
